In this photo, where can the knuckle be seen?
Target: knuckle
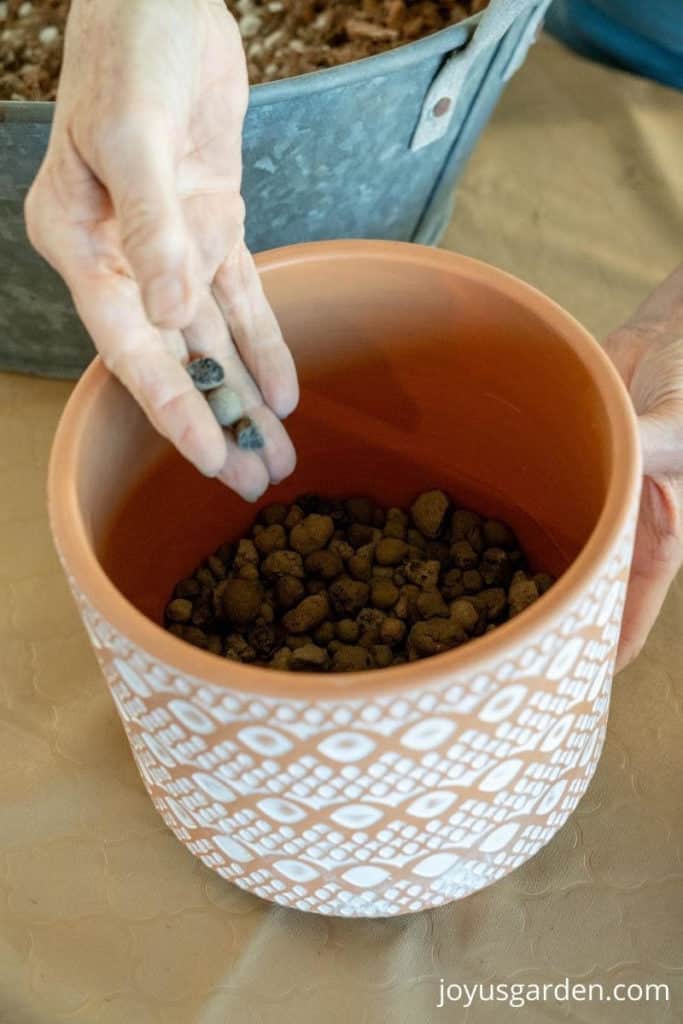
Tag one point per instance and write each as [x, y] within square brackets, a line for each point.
[138, 222]
[187, 438]
[117, 365]
[34, 205]
[169, 403]
[205, 451]
[234, 234]
[122, 130]
[111, 361]
[240, 213]
[148, 231]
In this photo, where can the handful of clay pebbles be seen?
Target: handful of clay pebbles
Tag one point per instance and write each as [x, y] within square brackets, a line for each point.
[226, 405]
[338, 586]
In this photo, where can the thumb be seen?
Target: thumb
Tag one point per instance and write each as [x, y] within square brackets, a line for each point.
[657, 556]
[661, 438]
[140, 175]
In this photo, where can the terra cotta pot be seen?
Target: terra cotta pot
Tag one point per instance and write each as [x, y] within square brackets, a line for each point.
[392, 790]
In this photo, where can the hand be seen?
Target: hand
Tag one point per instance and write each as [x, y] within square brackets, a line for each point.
[137, 205]
[648, 352]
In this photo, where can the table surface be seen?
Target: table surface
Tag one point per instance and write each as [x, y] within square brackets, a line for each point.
[105, 918]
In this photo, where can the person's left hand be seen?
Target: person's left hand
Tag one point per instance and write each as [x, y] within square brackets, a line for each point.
[648, 352]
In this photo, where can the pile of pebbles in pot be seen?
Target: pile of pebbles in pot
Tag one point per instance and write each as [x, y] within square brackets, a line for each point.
[337, 586]
[282, 38]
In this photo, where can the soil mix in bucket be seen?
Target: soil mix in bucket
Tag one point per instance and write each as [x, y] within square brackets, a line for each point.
[282, 38]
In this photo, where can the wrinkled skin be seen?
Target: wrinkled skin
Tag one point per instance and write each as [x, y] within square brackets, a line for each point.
[137, 205]
[648, 352]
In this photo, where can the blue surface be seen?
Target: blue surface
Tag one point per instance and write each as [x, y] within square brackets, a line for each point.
[642, 36]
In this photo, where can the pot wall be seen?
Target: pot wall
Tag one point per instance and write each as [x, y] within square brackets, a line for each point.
[378, 806]
[390, 791]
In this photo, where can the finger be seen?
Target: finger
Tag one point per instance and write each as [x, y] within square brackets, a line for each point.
[187, 421]
[178, 411]
[174, 342]
[278, 452]
[163, 389]
[214, 213]
[256, 333]
[623, 346]
[110, 307]
[644, 600]
[661, 439]
[138, 167]
[209, 335]
[244, 472]
[664, 304]
[657, 557]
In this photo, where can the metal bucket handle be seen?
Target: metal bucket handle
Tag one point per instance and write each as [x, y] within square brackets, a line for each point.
[440, 101]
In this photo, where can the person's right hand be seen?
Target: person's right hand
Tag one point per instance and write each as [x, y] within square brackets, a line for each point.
[137, 205]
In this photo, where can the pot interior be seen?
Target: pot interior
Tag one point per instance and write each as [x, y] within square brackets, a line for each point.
[417, 371]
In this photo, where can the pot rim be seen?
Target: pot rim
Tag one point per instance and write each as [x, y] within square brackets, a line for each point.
[438, 43]
[68, 527]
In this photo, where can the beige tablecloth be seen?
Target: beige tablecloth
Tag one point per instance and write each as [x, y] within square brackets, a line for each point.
[105, 917]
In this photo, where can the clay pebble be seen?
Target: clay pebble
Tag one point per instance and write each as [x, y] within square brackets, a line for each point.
[325, 585]
[226, 405]
[248, 436]
[206, 373]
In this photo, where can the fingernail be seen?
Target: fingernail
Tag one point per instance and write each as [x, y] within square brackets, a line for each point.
[249, 491]
[165, 300]
[207, 469]
[210, 463]
[252, 496]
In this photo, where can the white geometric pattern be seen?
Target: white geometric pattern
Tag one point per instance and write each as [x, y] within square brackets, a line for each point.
[377, 806]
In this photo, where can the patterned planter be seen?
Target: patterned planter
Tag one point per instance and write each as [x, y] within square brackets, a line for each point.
[393, 790]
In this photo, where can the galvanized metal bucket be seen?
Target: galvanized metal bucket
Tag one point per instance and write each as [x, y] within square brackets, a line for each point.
[370, 149]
